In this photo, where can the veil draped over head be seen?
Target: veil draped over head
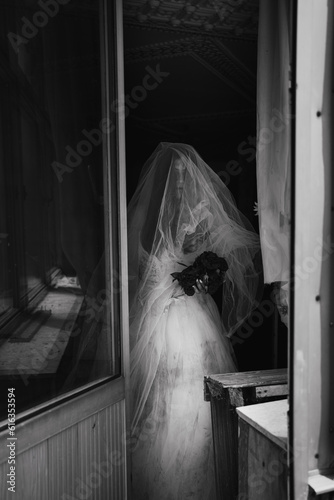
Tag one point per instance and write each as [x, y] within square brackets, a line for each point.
[180, 209]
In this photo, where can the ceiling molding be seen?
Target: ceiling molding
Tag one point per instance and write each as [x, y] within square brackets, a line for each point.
[237, 61]
[221, 18]
[175, 48]
[210, 53]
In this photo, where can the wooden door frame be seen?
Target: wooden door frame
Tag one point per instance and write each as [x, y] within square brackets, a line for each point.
[311, 374]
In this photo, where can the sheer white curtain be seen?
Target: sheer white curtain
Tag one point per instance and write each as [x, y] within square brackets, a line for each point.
[273, 142]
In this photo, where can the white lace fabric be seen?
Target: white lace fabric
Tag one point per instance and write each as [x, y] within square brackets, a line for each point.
[180, 209]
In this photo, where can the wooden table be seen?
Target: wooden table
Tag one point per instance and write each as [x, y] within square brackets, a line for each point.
[226, 392]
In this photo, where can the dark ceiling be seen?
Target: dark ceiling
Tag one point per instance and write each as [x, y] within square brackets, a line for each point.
[207, 51]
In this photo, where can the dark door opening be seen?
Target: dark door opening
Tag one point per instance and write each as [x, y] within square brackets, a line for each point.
[190, 77]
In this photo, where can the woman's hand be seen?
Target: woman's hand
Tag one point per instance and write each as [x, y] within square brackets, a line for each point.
[200, 287]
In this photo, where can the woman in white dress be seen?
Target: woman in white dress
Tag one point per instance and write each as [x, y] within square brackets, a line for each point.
[180, 209]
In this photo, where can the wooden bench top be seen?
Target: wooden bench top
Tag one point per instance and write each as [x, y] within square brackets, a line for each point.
[270, 419]
[247, 387]
[250, 379]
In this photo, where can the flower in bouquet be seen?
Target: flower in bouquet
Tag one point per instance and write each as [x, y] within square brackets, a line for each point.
[208, 268]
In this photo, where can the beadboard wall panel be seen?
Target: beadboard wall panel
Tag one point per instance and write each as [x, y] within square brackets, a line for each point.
[63, 463]
[31, 474]
[86, 460]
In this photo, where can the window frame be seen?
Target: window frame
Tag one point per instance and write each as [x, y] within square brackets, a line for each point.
[116, 385]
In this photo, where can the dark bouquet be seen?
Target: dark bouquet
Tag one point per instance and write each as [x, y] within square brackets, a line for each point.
[207, 267]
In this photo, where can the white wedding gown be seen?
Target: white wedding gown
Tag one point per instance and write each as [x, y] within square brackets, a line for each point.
[178, 340]
[180, 209]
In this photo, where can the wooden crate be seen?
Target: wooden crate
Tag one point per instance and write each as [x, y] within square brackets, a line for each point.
[226, 392]
[263, 462]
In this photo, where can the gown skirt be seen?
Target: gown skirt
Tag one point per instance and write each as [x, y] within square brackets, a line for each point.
[171, 443]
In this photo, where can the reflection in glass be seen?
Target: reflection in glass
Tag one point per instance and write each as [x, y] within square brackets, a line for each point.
[56, 328]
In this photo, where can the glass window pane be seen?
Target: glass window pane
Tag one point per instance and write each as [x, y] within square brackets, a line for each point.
[6, 287]
[55, 277]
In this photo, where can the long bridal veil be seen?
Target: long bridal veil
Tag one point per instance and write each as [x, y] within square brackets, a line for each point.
[180, 209]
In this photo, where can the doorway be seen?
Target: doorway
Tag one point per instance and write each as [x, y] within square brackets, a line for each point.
[190, 77]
